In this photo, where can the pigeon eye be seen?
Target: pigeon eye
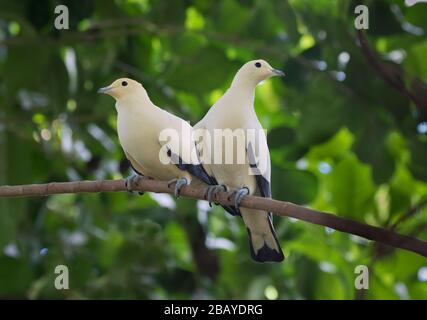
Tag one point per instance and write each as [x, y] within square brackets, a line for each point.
[124, 83]
[258, 64]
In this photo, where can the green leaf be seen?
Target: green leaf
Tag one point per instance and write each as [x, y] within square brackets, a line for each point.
[330, 286]
[289, 17]
[335, 147]
[382, 21]
[233, 17]
[16, 277]
[188, 43]
[322, 113]
[294, 185]
[173, 11]
[371, 148]
[352, 188]
[208, 74]
[280, 137]
[401, 191]
[293, 152]
[24, 72]
[417, 164]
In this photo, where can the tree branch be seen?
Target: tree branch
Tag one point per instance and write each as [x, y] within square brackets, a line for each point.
[287, 209]
[411, 211]
[394, 77]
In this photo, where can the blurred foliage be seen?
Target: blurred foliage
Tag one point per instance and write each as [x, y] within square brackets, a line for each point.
[342, 140]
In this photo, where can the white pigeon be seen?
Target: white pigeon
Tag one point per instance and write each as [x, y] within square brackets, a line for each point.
[140, 127]
[235, 111]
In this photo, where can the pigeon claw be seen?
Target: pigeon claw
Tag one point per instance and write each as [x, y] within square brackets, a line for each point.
[131, 183]
[238, 194]
[211, 192]
[179, 183]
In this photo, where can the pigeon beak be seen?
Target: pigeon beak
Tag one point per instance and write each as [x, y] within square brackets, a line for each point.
[105, 89]
[277, 72]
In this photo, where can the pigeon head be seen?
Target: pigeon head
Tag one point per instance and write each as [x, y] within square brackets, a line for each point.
[122, 87]
[253, 72]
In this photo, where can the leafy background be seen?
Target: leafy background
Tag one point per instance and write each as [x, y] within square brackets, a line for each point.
[342, 140]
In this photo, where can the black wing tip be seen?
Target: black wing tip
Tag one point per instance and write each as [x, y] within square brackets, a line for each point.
[231, 210]
[133, 168]
[199, 171]
[196, 170]
[266, 254]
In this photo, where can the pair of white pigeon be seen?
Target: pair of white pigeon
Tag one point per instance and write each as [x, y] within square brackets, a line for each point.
[140, 124]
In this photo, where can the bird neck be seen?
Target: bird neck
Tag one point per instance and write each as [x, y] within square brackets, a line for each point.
[135, 103]
[244, 83]
[242, 92]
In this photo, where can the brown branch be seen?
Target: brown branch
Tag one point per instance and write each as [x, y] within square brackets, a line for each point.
[393, 77]
[287, 209]
[119, 28]
[410, 212]
[380, 251]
